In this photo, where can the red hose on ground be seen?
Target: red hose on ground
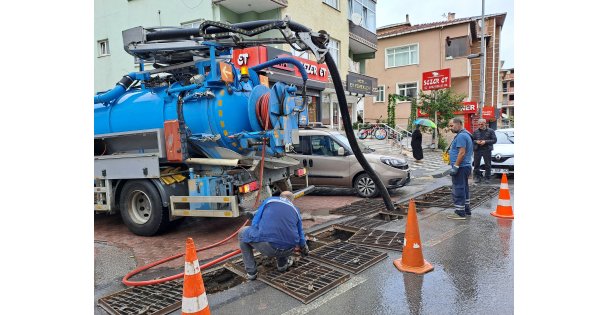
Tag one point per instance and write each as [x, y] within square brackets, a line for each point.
[125, 279]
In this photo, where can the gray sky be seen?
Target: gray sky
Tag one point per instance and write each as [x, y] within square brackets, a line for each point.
[426, 11]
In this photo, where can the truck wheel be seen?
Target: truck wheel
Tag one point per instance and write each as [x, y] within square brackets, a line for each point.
[141, 208]
[365, 187]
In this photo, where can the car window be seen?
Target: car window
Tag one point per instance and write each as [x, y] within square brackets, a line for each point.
[324, 145]
[502, 138]
[303, 147]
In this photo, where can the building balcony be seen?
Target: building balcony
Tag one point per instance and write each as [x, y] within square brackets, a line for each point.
[360, 40]
[259, 6]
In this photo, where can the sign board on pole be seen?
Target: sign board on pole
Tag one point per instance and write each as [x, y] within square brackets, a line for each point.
[436, 80]
[487, 112]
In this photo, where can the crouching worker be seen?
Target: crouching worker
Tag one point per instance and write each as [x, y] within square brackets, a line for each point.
[275, 231]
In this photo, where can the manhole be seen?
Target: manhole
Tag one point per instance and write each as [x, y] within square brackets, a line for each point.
[347, 256]
[166, 297]
[305, 280]
[379, 238]
[332, 233]
[363, 222]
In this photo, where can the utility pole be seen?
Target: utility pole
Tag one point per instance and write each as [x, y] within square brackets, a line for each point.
[482, 87]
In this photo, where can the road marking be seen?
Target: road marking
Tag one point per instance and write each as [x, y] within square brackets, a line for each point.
[446, 235]
[304, 309]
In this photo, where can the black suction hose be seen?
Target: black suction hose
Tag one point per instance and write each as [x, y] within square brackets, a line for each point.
[350, 134]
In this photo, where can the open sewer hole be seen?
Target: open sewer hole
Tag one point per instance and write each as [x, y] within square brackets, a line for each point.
[331, 234]
[220, 280]
[386, 217]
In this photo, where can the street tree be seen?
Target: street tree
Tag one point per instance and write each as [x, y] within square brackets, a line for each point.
[441, 102]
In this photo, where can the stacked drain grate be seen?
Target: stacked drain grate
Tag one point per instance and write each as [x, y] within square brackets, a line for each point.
[348, 256]
[362, 223]
[305, 280]
[150, 300]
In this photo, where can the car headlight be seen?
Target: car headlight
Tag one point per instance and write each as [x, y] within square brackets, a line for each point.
[396, 163]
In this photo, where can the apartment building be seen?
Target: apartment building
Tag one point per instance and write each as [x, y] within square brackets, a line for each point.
[507, 102]
[351, 25]
[407, 50]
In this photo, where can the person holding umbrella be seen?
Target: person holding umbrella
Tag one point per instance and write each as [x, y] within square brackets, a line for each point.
[417, 144]
[417, 137]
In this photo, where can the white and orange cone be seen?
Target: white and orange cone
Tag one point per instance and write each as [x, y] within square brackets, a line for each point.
[194, 298]
[412, 259]
[504, 209]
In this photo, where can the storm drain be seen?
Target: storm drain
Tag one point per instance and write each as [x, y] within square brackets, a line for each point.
[305, 280]
[166, 297]
[361, 208]
[150, 300]
[442, 198]
[379, 238]
[362, 223]
[332, 233]
[347, 256]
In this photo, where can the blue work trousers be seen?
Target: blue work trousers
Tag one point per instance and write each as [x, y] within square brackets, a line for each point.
[460, 191]
[266, 249]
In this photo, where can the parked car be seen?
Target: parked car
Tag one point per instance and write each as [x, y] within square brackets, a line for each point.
[330, 161]
[503, 158]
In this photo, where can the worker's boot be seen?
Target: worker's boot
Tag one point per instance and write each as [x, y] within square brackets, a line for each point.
[287, 264]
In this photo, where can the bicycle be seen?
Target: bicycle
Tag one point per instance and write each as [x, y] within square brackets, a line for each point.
[376, 131]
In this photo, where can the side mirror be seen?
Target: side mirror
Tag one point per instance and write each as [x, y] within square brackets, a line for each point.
[341, 151]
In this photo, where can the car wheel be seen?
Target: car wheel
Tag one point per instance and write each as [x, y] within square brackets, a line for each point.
[365, 187]
[141, 208]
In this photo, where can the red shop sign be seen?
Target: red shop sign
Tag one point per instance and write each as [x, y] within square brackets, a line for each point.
[467, 108]
[436, 80]
[487, 112]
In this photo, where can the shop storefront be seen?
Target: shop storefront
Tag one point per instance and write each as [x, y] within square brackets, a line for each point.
[466, 113]
[318, 74]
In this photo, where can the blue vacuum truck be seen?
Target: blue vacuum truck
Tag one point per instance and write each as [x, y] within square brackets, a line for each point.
[190, 134]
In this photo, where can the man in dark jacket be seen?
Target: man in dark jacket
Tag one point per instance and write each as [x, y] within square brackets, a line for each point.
[483, 138]
[275, 231]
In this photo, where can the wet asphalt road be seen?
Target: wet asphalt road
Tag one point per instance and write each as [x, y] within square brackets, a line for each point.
[473, 273]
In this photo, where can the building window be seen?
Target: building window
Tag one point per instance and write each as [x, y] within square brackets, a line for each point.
[104, 47]
[457, 47]
[334, 50]
[367, 10]
[407, 89]
[402, 56]
[380, 96]
[192, 24]
[333, 3]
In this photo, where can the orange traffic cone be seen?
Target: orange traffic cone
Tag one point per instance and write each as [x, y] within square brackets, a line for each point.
[411, 259]
[504, 209]
[194, 298]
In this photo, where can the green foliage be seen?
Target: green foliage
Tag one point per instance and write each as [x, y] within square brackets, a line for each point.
[442, 143]
[443, 102]
[392, 100]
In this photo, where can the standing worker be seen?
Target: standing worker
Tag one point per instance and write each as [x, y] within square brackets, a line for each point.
[484, 139]
[461, 156]
[417, 144]
[275, 231]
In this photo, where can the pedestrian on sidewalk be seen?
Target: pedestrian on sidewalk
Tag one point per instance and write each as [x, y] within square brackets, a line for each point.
[417, 144]
[484, 139]
[461, 157]
[275, 231]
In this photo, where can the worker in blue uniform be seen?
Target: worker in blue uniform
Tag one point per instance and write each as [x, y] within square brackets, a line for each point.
[276, 230]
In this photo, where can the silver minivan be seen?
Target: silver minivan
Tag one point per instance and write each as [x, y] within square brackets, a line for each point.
[330, 161]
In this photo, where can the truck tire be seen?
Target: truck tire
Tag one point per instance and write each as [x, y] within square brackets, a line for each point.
[141, 208]
[365, 187]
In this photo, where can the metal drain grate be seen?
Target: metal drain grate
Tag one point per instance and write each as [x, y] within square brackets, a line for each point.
[305, 280]
[378, 238]
[362, 223]
[347, 256]
[166, 297]
[442, 198]
[361, 208]
[150, 300]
